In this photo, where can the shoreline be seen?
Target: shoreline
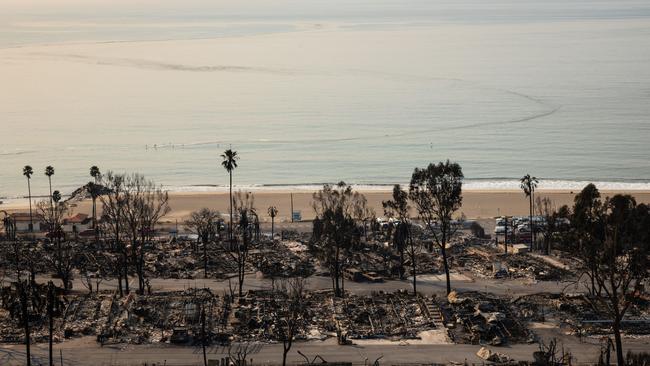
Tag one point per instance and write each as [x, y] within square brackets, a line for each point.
[477, 204]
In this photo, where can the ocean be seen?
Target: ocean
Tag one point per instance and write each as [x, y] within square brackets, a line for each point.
[310, 92]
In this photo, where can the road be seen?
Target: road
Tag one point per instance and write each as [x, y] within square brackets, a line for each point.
[427, 284]
[85, 351]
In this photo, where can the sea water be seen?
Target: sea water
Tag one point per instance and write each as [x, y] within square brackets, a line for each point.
[309, 92]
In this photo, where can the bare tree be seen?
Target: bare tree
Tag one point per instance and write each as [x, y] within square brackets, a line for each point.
[145, 204]
[62, 258]
[205, 224]
[436, 192]
[94, 269]
[113, 212]
[239, 247]
[290, 313]
[552, 222]
[239, 354]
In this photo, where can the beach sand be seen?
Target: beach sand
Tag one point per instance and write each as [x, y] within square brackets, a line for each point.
[476, 204]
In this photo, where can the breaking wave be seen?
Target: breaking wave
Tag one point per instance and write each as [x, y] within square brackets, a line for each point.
[506, 184]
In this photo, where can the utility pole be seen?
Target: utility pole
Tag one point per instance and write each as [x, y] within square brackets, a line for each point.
[505, 242]
[291, 207]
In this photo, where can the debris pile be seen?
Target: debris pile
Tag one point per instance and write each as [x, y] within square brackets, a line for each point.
[284, 259]
[581, 314]
[531, 267]
[489, 355]
[131, 319]
[184, 259]
[485, 319]
[397, 315]
[487, 262]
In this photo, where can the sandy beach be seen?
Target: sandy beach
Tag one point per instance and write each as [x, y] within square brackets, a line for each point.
[477, 204]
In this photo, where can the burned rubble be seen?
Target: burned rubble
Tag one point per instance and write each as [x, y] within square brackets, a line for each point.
[398, 315]
[175, 317]
[487, 262]
[581, 315]
[485, 319]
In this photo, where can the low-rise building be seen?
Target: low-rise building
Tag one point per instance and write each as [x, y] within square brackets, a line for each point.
[77, 223]
[22, 221]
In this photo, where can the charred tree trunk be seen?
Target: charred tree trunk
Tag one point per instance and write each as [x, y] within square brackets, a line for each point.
[443, 250]
[205, 258]
[286, 346]
[50, 315]
[337, 272]
[203, 340]
[25, 310]
[619, 342]
[530, 220]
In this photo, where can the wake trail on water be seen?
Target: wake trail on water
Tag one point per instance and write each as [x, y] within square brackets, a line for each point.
[549, 109]
[158, 65]
[167, 66]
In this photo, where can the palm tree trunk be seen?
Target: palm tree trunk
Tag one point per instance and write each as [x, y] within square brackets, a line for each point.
[530, 219]
[49, 178]
[95, 220]
[532, 210]
[230, 228]
[272, 227]
[29, 192]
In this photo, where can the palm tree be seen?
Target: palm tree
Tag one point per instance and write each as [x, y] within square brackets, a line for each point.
[49, 172]
[56, 197]
[94, 190]
[27, 172]
[528, 185]
[230, 163]
[273, 212]
[95, 173]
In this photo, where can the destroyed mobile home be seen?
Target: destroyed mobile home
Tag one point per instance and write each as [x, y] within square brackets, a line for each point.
[267, 301]
[177, 317]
